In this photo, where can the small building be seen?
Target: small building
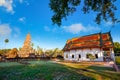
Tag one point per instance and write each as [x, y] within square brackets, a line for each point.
[0, 57]
[12, 54]
[100, 45]
[32, 56]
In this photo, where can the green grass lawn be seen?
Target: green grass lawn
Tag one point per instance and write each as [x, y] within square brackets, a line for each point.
[48, 70]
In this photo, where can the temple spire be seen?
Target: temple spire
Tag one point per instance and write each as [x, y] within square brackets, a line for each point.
[26, 49]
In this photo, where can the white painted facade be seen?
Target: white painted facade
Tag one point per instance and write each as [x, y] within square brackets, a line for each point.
[68, 55]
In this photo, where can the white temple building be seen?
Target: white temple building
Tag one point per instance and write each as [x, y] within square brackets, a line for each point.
[100, 45]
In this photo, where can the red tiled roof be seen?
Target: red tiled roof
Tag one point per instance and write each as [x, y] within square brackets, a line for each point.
[90, 41]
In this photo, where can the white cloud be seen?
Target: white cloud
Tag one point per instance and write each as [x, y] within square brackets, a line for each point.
[74, 28]
[77, 28]
[24, 1]
[21, 1]
[0, 21]
[109, 23]
[27, 3]
[16, 32]
[90, 28]
[54, 29]
[22, 19]
[47, 28]
[5, 30]
[8, 5]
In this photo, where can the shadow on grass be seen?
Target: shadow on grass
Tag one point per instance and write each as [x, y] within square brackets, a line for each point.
[96, 72]
[98, 68]
[104, 72]
[40, 70]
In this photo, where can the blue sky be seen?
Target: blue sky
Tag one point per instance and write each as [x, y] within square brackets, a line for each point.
[18, 17]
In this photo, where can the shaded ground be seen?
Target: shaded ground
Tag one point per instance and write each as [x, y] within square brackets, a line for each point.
[48, 70]
[118, 66]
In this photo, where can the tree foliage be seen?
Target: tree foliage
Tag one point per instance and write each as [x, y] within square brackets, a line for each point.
[32, 44]
[39, 50]
[6, 40]
[12, 53]
[54, 52]
[104, 9]
[3, 51]
[116, 47]
[91, 57]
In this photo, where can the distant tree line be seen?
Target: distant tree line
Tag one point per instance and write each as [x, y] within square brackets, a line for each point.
[50, 52]
[39, 52]
[3, 51]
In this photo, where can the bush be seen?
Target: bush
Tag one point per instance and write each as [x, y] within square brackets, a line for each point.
[59, 57]
[91, 57]
[117, 59]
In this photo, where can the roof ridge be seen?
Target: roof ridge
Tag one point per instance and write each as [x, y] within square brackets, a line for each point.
[89, 35]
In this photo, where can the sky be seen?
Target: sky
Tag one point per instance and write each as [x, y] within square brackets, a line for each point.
[20, 17]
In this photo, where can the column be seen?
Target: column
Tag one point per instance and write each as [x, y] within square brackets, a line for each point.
[112, 54]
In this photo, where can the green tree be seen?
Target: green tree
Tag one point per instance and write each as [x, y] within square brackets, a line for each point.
[1, 52]
[116, 47]
[52, 52]
[104, 9]
[49, 53]
[20, 48]
[32, 44]
[55, 52]
[91, 57]
[39, 50]
[6, 41]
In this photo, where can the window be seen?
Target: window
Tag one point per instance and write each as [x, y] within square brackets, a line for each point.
[72, 56]
[96, 55]
[79, 56]
[66, 55]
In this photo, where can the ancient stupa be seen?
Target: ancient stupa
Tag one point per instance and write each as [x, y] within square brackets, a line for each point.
[27, 48]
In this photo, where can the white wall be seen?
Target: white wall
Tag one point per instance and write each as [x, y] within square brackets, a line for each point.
[83, 53]
[65, 53]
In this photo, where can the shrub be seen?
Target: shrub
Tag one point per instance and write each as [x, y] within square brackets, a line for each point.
[91, 56]
[117, 59]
